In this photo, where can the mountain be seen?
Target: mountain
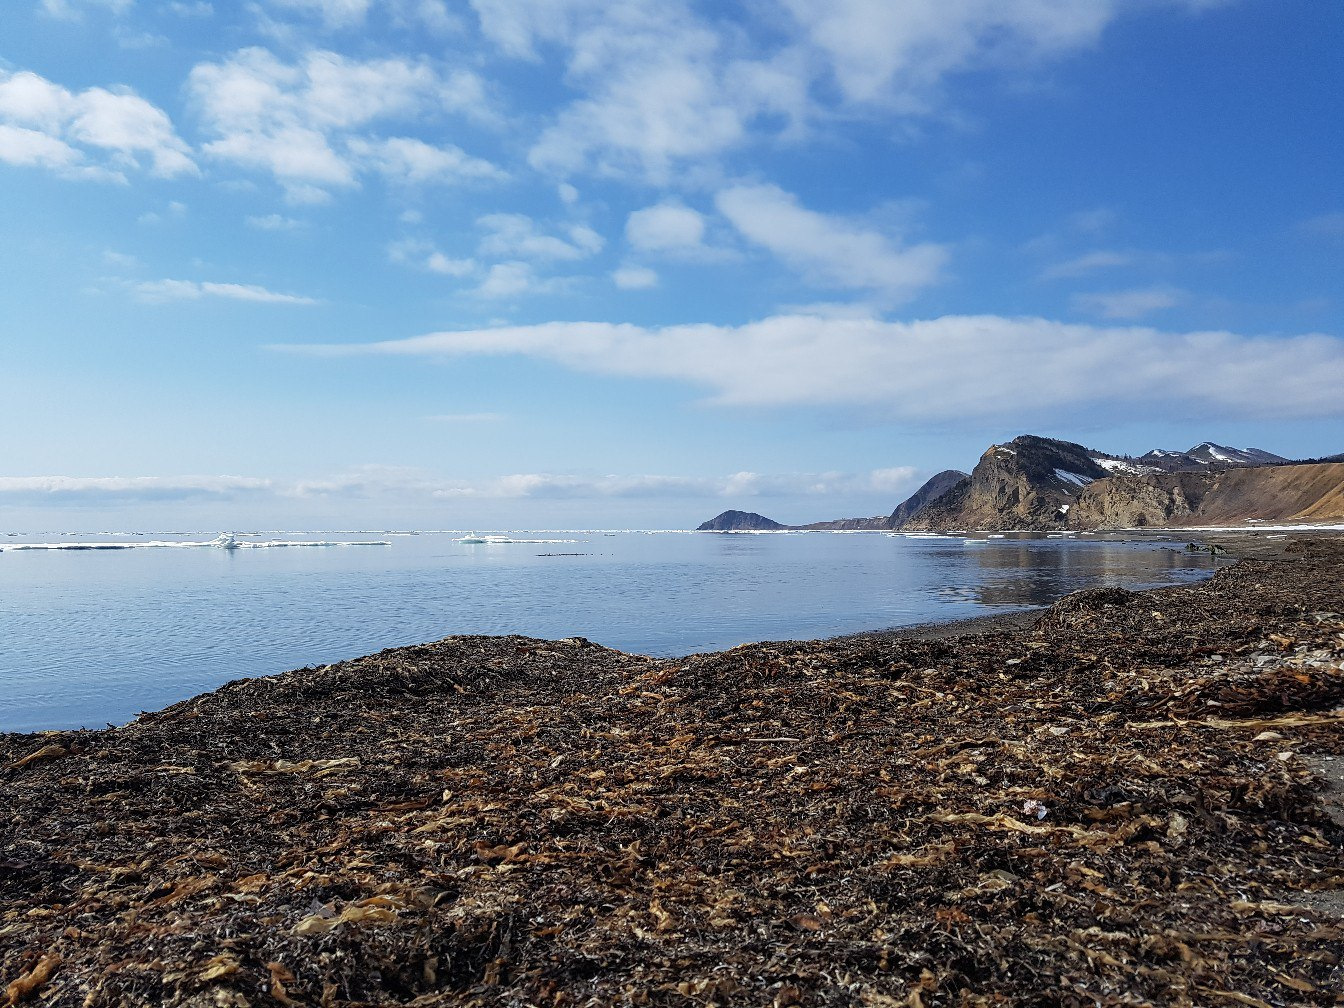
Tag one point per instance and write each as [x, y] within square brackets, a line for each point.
[924, 496]
[933, 488]
[1206, 456]
[1042, 484]
[1030, 482]
[740, 521]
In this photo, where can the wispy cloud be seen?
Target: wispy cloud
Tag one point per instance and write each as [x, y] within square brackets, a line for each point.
[1089, 262]
[829, 251]
[517, 235]
[71, 10]
[954, 368]
[192, 290]
[1129, 304]
[634, 278]
[274, 222]
[101, 489]
[1329, 225]
[410, 485]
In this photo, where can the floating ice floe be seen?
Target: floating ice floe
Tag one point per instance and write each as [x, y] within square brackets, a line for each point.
[496, 540]
[225, 541]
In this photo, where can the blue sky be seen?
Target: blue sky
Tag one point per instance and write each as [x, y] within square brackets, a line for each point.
[503, 263]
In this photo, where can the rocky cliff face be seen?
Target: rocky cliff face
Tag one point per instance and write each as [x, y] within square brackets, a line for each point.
[1029, 483]
[924, 496]
[1036, 483]
[1293, 493]
[932, 489]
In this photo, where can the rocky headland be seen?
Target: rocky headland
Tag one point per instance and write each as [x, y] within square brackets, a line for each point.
[1123, 801]
[1043, 484]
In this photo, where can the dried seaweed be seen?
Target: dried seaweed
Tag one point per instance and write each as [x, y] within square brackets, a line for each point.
[1114, 806]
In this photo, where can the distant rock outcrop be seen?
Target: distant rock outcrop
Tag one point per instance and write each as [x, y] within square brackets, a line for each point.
[740, 521]
[745, 521]
[1029, 483]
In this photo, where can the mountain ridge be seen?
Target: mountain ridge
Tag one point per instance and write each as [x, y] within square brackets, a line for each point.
[1034, 483]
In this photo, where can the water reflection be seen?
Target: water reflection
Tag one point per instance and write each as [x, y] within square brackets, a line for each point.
[1035, 572]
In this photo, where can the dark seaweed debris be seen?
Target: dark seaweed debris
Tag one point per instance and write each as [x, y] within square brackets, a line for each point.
[1113, 807]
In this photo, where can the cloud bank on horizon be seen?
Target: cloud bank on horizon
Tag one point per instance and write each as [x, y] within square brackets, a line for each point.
[878, 234]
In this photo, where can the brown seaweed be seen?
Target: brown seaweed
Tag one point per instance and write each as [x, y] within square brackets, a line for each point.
[1114, 806]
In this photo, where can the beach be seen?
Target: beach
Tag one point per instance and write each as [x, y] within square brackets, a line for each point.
[1120, 799]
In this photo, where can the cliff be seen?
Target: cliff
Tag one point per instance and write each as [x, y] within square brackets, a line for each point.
[924, 496]
[1312, 492]
[1029, 483]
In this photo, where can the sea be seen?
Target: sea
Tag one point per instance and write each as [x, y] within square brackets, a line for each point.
[95, 629]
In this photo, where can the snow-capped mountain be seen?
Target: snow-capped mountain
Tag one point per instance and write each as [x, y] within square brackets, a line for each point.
[1207, 456]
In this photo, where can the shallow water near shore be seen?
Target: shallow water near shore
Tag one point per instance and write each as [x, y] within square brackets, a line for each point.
[94, 636]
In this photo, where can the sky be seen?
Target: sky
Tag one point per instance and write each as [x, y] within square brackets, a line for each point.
[629, 263]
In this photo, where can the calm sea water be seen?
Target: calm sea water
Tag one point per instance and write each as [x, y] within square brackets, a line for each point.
[89, 637]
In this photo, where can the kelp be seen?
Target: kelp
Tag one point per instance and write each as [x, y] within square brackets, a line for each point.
[1116, 805]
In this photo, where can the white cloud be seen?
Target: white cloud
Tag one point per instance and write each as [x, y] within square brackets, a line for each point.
[897, 54]
[304, 122]
[120, 260]
[423, 255]
[95, 133]
[634, 278]
[373, 482]
[192, 290]
[518, 235]
[830, 251]
[950, 369]
[666, 227]
[657, 83]
[1129, 304]
[274, 222]
[29, 148]
[414, 162]
[731, 487]
[666, 87]
[334, 13]
[71, 10]
[439, 263]
[1087, 263]
[103, 489]
[508, 279]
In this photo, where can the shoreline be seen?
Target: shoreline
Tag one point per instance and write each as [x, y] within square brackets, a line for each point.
[866, 820]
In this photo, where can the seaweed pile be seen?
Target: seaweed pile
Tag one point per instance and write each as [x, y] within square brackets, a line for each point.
[1114, 806]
